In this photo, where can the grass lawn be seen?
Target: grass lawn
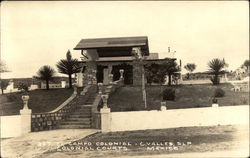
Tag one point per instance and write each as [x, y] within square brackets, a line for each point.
[151, 142]
[40, 101]
[129, 98]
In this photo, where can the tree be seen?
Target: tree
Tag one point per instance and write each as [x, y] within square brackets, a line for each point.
[246, 64]
[216, 68]
[4, 84]
[46, 73]
[190, 67]
[171, 67]
[158, 72]
[155, 73]
[68, 66]
[3, 67]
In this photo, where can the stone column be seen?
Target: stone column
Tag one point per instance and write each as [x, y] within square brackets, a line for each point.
[25, 116]
[91, 66]
[110, 69]
[94, 80]
[137, 73]
[79, 79]
[105, 76]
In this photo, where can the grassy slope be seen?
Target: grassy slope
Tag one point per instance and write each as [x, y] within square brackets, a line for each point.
[187, 96]
[40, 101]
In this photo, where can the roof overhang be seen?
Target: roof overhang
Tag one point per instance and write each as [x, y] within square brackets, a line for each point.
[114, 47]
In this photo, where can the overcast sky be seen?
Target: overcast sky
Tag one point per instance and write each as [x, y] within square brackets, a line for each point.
[34, 34]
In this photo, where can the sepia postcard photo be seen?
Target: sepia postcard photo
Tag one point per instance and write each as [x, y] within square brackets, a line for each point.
[140, 79]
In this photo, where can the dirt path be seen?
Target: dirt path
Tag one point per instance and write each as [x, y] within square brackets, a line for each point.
[213, 141]
[33, 144]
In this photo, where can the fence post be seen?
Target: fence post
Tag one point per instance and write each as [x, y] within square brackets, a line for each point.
[163, 106]
[25, 116]
[105, 115]
[105, 120]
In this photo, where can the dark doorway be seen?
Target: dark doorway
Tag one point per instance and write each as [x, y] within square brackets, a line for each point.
[99, 73]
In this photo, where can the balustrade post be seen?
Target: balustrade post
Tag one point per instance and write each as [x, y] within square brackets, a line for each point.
[110, 78]
[25, 116]
[105, 100]
[75, 89]
[100, 87]
[121, 73]
[105, 115]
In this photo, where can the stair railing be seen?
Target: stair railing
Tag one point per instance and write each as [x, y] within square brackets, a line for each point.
[50, 120]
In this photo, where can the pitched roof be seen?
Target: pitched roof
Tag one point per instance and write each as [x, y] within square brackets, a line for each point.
[112, 42]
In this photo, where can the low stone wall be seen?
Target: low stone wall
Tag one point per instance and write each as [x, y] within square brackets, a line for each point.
[10, 126]
[142, 120]
[50, 120]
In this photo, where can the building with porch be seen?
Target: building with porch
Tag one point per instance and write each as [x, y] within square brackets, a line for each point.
[105, 59]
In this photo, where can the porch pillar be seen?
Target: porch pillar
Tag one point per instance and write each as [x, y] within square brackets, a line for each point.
[137, 73]
[91, 66]
[79, 78]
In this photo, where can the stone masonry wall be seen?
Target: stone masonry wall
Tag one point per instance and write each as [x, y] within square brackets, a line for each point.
[137, 73]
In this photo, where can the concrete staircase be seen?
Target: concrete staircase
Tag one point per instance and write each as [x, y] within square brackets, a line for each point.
[81, 118]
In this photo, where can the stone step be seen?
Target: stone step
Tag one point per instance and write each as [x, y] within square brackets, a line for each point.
[74, 126]
[79, 116]
[75, 123]
[91, 97]
[86, 106]
[78, 119]
[89, 102]
[81, 113]
[83, 108]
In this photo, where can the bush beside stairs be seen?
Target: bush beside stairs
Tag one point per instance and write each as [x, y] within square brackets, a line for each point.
[81, 117]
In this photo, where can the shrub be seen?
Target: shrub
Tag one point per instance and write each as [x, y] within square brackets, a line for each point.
[23, 87]
[12, 98]
[214, 100]
[215, 80]
[168, 94]
[219, 92]
[131, 108]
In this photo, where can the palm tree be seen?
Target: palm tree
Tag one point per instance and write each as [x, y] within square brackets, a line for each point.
[216, 68]
[170, 68]
[68, 66]
[190, 67]
[46, 73]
